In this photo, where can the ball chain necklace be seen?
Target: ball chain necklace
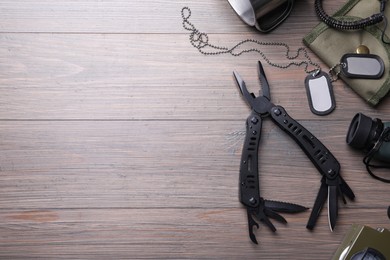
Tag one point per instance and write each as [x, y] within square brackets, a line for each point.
[200, 41]
[318, 84]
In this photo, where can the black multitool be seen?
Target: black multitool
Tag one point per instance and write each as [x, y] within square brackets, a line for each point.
[332, 184]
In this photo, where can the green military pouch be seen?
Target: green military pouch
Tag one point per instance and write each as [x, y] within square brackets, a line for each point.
[331, 44]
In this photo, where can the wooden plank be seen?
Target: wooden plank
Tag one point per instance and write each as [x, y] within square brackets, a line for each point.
[166, 233]
[161, 164]
[120, 16]
[119, 140]
[56, 76]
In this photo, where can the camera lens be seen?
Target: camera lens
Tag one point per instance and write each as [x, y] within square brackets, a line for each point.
[363, 131]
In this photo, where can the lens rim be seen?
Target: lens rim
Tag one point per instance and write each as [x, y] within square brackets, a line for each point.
[359, 131]
[363, 132]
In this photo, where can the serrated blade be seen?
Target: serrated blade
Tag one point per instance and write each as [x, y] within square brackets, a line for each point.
[285, 207]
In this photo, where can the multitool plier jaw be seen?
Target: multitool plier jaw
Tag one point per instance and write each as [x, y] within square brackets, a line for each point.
[260, 104]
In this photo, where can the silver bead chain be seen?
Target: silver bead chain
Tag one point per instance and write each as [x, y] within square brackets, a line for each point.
[200, 41]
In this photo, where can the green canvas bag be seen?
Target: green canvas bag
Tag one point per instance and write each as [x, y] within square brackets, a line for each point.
[331, 44]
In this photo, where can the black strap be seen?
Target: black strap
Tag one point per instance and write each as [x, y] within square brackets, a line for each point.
[347, 25]
[385, 136]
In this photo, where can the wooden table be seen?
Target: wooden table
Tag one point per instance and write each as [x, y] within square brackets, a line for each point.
[119, 139]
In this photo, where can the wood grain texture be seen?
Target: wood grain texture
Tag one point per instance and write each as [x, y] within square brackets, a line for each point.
[119, 140]
[184, 233]
[84, 76]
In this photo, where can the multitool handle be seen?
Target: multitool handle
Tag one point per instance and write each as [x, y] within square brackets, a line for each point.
[249, 177]
[320, 156]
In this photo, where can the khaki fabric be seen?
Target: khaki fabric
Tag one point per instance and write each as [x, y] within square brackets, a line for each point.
[330, 45]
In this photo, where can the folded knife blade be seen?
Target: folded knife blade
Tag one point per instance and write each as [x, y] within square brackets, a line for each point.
[332, 206]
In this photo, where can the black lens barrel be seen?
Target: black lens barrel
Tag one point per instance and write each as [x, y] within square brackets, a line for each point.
[363, 131]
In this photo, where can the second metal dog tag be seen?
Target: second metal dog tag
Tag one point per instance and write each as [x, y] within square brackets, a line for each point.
[362, 66]
[320, 93]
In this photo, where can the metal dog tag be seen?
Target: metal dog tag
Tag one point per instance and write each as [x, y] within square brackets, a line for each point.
[362, 66]
[320, 93]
